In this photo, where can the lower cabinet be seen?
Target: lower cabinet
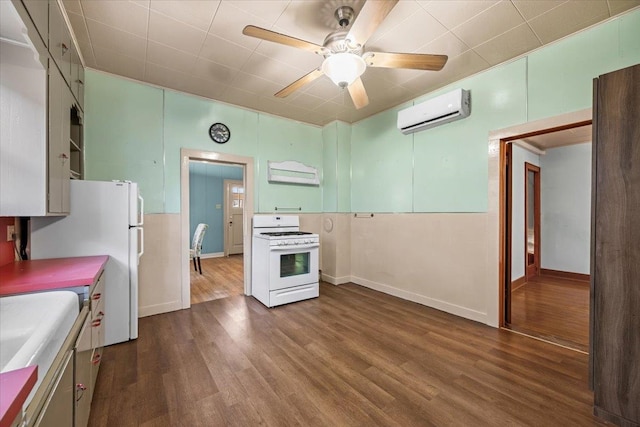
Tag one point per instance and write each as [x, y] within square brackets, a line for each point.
[83, 375]
[58, 410]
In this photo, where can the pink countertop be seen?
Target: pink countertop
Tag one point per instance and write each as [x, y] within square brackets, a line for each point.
[15, 386]
[48, 274]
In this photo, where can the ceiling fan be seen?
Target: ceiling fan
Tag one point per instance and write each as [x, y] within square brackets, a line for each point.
[345, 57]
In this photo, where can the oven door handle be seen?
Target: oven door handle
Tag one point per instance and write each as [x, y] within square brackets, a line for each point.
[295, 247]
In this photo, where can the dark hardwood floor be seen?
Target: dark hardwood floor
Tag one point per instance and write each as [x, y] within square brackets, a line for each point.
[351, 357]
[221, 277]
[554, 309]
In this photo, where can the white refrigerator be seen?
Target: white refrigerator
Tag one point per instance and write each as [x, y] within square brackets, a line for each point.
[106, 219]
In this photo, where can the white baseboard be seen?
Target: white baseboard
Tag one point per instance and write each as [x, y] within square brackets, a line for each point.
[212, 255]
[335, 280]
[166, 307]
[421, 299]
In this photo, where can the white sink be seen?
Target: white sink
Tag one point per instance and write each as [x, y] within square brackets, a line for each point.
[33, 328]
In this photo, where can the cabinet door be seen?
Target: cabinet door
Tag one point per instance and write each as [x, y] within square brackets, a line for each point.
[75, 64]
[58, 143]
[84, 390]
[39, 13]
[58, 410]
[59, 40]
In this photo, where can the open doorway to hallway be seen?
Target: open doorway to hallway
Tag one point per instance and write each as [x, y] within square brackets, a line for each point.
[216, 200]
[547, 201]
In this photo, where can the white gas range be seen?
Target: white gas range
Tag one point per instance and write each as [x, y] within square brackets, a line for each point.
[284, 260]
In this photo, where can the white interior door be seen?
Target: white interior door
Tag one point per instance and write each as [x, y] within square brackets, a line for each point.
[233, 212]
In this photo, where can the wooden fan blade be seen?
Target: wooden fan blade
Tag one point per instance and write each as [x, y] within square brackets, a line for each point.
[370, 17]
[308, 78]
[272, 36]
[358, 94]
[416, 61]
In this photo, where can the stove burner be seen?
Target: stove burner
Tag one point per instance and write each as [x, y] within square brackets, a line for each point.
[286, 233]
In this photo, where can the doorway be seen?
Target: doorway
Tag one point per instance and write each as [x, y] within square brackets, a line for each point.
[242, 262]
[216, 191]
[544, 291]
[233, 216]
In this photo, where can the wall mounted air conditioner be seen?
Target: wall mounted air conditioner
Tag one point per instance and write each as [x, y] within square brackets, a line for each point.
[442, 109]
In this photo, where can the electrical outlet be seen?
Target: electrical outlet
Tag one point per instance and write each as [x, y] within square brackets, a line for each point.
[11, 231]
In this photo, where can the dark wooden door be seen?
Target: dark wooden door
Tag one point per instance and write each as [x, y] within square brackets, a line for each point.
[615, 264]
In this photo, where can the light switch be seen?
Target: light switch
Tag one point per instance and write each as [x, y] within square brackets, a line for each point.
[218, 206]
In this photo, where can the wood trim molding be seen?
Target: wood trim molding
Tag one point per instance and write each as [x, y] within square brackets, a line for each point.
[566, 275]
[518, 283]
[550, 130]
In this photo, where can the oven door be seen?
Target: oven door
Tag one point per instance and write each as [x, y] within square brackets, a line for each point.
[293, 266]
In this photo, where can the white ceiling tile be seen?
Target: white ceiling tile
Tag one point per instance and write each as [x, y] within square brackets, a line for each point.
[123, 15]
[203, 87]
[323, 88]
[143, 3]
[224, 52]
[166, 77]
[117, 40]
[87, 54]
[198, 14]
[268, 10]
[229, 22]
[236, 96]
[447, 44]
[255, 84]
[176, 34]
[490, 23]
[213, 71]
[72, 6]
[618, 6]
[79, 27]
[304, 100]
[116, 63]
[169, 57]
[452, 13]
[508, 45]
[567, 18]
[410, 34]
[303, 60]
[272, 70]
[532, 8]
[403, 10]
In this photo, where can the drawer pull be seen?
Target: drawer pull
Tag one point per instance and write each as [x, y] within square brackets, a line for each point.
[95, 323]
[96, 359]
[64, 48]
[80, 388]
[96, 296]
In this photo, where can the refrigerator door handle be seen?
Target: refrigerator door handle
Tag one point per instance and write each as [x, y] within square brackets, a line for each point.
[141, 244]
[141, 211]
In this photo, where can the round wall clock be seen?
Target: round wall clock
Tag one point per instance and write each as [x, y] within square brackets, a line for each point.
[220, 133]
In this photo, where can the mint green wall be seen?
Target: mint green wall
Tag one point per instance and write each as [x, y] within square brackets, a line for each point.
[330, 173]
[343, 168]
[445, 169]
[381, 165]
[279, 140]
[124, 135]
[134, 131]
[336, 178]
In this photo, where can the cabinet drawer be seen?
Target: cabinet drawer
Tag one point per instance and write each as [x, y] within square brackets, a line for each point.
[96, 296]
[96, 360]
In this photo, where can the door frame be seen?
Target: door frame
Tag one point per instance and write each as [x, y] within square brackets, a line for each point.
[505, 137]
[528, 167]
[187, 155]
[225, 210]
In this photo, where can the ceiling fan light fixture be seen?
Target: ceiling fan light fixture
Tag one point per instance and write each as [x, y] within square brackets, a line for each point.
[343, 68]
